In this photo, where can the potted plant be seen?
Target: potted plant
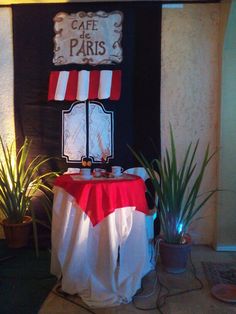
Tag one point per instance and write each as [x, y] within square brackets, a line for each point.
[20, 180]
[177, 188]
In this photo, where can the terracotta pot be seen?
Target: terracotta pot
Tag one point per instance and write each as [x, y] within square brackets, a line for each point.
[174, 257]
[17, 235]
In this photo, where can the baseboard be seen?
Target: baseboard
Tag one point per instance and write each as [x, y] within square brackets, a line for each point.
[226, 248]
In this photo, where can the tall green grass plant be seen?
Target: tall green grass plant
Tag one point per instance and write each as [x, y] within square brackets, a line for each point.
[178, 188]
[20, 180]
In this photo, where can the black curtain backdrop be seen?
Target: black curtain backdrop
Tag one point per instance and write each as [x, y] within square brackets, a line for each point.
[136, 114]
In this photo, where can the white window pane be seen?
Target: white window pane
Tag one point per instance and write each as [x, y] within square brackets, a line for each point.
[100, 132]
[74, 132]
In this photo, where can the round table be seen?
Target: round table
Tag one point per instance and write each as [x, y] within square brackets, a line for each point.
[99, 237]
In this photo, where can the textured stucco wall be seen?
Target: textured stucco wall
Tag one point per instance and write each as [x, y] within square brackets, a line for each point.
[190, 91]
[7, 130]
[6, 69]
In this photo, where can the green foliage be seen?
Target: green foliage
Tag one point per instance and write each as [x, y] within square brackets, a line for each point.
[20, 180]
[177, 188]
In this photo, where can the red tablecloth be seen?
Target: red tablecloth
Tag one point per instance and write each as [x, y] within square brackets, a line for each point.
[99, 198]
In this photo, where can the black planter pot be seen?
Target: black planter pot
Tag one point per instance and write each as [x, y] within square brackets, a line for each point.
[174, 257]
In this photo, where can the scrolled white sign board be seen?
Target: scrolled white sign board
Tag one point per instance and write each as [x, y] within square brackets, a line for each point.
[88, 38]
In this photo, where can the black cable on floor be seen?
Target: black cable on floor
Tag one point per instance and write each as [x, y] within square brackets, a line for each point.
[64, 295]
[161, 300]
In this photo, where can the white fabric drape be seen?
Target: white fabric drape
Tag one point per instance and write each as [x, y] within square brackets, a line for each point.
[87, 257]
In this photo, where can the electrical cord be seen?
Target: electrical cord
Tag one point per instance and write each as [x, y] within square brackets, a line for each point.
[147, 296]
[63, 295]
[168, 295]
[153, 258]
[151, 293]
[161, 299]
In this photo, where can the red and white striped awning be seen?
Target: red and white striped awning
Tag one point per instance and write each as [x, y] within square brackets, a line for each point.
[84, 85]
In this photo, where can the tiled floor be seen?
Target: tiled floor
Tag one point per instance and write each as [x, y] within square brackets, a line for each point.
[197, 302]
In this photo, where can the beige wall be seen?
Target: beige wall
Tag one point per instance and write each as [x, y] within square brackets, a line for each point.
[7, 130]
[189, 90]
[6, 77]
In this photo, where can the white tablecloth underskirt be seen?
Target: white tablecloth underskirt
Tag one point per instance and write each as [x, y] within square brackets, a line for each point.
[86, 258]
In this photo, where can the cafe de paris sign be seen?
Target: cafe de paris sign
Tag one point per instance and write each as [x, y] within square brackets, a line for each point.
[88, 38]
